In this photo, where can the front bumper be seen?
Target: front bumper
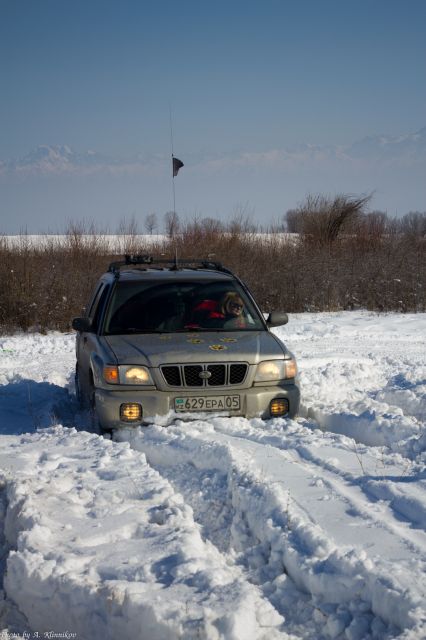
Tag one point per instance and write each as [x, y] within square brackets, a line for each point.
[254, 402]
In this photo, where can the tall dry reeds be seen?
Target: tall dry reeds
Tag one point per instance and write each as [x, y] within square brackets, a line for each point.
[377, 263]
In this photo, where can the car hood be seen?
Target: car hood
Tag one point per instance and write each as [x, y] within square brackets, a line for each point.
[153, 350]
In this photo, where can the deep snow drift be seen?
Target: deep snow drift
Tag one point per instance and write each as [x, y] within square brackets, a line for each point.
[217, 527]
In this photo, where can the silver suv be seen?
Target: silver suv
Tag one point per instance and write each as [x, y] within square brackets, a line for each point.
[179, 337]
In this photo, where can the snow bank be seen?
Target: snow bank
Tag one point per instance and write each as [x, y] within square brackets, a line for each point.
[364, 375]
[285, 521]
[219, 527]
[103, 547]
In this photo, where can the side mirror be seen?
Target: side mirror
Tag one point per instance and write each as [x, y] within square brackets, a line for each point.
[276, 319]
[82, 324]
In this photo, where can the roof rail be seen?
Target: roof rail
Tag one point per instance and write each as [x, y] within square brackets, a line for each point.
[173, 263]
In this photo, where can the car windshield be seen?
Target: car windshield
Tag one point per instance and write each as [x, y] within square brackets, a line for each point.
[159, 307]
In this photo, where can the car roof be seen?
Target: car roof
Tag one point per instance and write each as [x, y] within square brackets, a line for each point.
[150, 274]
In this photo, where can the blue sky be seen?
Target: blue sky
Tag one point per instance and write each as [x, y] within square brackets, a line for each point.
[241, 78]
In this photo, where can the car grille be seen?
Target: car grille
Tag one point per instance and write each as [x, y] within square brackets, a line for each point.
[188, 375]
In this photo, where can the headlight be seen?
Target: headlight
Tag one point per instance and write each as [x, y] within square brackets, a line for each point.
[270, 370]
[130, 374]
[127, 374]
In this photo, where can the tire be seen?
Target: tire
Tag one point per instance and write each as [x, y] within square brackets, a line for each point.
[95, 423]
[78, 393]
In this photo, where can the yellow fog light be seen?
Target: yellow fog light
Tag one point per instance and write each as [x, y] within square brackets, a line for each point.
[279, 407]
[130, 412]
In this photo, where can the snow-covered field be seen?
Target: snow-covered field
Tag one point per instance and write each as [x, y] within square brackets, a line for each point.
[219, 527]
[122, 242]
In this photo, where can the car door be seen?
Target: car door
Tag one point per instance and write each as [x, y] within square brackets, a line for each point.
[87, 341]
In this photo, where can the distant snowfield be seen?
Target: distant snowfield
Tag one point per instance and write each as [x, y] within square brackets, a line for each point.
[107, 240]
[123, 242]
[218, 527]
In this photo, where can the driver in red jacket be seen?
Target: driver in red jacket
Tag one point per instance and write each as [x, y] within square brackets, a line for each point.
[228, 313]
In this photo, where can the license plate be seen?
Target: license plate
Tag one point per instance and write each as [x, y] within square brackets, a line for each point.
[209, 403]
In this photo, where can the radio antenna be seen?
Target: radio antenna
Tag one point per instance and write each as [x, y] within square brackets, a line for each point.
[176, 163]
[171, 145]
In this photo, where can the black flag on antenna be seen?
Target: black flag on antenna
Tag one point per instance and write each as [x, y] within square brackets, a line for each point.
[177, 164]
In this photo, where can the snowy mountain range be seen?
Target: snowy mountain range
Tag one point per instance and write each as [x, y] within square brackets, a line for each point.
[52, 184]
[46, 159]
[62, 159]
[411, 145]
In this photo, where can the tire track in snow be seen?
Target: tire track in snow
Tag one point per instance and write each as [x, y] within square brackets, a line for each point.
[363, 480]
[105, 558]
[397, 505]
[384, 478]
[276, 532]
[375, 515]
[12, 621]
[210, 488]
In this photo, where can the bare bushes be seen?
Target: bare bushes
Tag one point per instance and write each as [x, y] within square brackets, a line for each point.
[41, 283]
[46, 281]
[343, 258]
[321, 220]
[348, 258]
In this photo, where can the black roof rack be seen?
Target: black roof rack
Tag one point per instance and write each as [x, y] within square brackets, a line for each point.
[173, 264]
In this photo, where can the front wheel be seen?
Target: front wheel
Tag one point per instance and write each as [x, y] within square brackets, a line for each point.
[78, 393]
[95, 424]
[81, 391]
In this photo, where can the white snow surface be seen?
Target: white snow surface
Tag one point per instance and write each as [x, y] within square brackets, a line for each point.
[215, 527]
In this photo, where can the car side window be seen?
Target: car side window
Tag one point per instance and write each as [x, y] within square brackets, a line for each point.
[93, 301]
[98, 305]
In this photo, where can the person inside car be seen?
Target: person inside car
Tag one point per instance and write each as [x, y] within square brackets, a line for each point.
[232, 309]
[226, 313]
[229, 313]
